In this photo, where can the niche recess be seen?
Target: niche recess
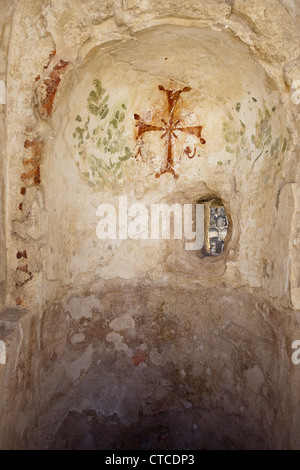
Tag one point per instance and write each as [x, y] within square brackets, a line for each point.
[110, 156]
[216, 228]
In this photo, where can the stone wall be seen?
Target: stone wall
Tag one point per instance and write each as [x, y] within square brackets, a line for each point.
[64, 54]
[5, 25]
[142, 344]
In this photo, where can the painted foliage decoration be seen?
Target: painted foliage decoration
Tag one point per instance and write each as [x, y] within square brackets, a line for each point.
[101, 147]
[262, 141]
[102, 144]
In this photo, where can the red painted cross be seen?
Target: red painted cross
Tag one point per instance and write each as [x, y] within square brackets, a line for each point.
[168, 128]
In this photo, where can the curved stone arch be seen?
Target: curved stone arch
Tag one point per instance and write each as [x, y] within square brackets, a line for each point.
[66, 57]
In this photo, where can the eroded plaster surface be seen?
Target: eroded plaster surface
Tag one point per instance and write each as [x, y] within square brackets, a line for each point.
[142, 344]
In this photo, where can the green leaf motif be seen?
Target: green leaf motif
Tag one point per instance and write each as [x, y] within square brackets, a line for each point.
[98, 87]
[114, 122]
[80, 132]
[104, 101]
[237, 141]
[93, 96]
[93, 109]
[231, 136]
[284, 145]
[104, 113]
[268, 141]
[102, 161]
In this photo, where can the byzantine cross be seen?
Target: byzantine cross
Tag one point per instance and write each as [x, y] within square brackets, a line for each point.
[168, 129]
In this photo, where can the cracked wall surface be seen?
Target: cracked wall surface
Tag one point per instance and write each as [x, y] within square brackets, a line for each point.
[141, 343]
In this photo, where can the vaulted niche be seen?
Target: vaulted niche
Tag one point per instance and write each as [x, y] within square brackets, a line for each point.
[216, 227]
[142, 339]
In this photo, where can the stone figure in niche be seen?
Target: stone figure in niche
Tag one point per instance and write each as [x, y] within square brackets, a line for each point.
[169, 128]
[218, 228]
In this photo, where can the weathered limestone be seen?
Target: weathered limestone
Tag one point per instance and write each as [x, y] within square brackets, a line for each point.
[6, 8]
[138, 343]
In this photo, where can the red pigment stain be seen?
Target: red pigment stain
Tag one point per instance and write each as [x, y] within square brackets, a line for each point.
[25, 270]
[51, 55]
[28, 144]
[51, 86]
[169, 129]
[22, 302]
[139, 357]
[34, 173]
